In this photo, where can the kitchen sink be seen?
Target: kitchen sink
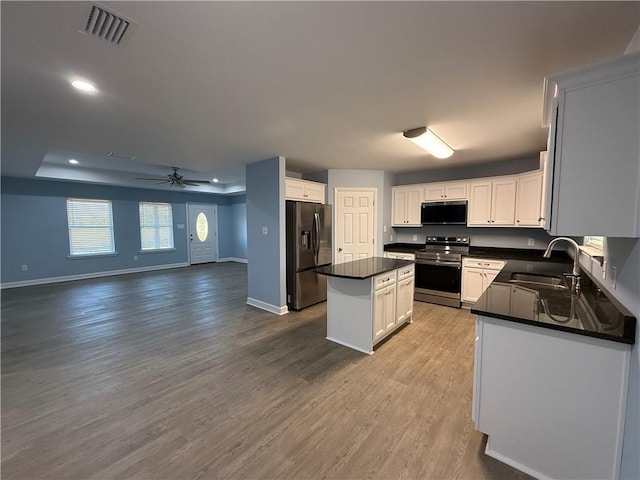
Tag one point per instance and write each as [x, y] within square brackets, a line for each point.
[553, 281]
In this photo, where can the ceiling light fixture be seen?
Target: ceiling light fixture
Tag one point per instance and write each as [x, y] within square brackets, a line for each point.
[73, 161]
[215, 180]
[84, 86]
[426, 139]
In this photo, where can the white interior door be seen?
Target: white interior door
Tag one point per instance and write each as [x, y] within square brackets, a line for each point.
[203, 232]
[355, 225]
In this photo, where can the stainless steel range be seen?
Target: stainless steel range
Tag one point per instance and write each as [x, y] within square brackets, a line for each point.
[439, 270]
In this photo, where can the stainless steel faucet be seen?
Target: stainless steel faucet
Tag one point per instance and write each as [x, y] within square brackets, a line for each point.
[575, 274]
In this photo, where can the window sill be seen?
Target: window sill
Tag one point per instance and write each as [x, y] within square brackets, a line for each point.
[157, 250]
[92, 255]
[595, 253]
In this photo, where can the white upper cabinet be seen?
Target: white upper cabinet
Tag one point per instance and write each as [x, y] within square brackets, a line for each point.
[406, 203]
[445, 191]
[492, 203]
[529, 200]
[594, 150]
[304, 190]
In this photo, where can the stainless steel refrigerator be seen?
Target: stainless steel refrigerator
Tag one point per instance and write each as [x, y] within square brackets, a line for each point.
[308, 247]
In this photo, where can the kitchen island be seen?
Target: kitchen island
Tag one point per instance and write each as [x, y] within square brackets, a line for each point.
[551, 372]
[367, 300]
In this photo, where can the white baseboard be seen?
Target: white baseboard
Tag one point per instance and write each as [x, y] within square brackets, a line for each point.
[513, 463]
[232, 259]
[267, 306]
[87, 276]
[345, 344]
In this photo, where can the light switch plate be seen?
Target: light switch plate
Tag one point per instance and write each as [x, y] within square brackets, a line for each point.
[265, 230]
[415, 237]
[531, 242]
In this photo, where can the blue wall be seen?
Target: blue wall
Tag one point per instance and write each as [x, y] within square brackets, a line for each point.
[266, 257]
[239, 225]
[34, 228]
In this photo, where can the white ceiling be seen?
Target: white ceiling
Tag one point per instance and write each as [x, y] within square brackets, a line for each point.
[212, 86]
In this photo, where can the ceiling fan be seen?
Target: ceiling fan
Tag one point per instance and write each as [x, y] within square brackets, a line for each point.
[174, 179]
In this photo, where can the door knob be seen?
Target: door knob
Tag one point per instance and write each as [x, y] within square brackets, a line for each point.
[339, 249]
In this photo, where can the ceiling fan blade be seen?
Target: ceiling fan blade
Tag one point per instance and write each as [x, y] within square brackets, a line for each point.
[141, 178]
[190, 183]
[195, 181]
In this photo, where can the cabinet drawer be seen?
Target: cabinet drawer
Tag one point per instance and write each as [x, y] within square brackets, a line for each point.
[384, 280]
[483, 263]
[405, 272]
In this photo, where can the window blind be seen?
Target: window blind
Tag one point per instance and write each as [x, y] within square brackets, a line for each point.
[90, 225]
[156, 226]
[596, 242]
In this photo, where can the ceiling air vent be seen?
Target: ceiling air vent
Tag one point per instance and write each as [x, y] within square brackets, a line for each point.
[107, 25]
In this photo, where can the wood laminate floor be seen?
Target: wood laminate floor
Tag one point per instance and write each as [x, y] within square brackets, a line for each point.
[169, 374]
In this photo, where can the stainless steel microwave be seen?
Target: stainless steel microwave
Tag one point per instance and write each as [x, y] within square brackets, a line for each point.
[444, 213]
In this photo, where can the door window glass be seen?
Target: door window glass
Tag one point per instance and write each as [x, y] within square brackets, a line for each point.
[202, 227]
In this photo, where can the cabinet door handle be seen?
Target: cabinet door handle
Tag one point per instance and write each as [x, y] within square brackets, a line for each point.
[488, 221]
[517, 221]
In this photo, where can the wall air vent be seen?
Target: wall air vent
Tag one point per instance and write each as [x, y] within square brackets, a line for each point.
[108, 25]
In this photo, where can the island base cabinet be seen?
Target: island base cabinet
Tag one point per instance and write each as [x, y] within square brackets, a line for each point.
[551, 402]
[349, 313]
[362, 312]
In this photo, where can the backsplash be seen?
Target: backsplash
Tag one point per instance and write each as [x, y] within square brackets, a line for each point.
[480, 237]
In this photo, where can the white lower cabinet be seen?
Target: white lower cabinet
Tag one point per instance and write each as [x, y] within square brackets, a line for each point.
[384, 311]
[404, 295]
[361, 312]
[552, 403]
[477, 274]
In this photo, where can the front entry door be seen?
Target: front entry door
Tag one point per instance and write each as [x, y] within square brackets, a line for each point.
[355, 214]
[203, 233]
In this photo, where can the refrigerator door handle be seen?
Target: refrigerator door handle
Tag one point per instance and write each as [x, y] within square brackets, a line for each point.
[316, 241]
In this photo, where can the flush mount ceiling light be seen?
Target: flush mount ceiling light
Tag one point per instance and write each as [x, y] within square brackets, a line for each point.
[73, 161]
[215, 180]
[84, 86]
[426, 139]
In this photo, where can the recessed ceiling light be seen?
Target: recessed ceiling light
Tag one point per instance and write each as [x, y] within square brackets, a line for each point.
[84, 86]
[215, 180]
[73, 161]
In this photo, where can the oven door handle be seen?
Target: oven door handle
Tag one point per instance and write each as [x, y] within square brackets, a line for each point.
[437, 263]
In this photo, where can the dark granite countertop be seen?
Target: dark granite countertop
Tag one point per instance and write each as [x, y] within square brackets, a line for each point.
[365, 268]
[485, 252]
[516, 254]
[591, 312]
[403, 247]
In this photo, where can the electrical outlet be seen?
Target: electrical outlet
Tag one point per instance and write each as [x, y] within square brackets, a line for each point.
[415, 238]
[531, 242]
[614, 272]
[605, 265]
[135, 258]
[384, 229]
[391, 238]
[25, 268]
[529, 267]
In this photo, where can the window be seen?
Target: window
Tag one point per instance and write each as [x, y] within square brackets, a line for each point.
[90, 225]
[156, 226]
